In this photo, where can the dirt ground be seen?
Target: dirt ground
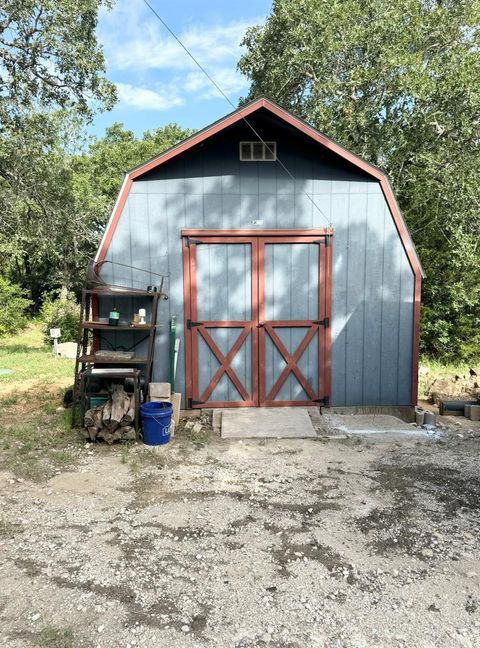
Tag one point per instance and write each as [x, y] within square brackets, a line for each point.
[353, 542]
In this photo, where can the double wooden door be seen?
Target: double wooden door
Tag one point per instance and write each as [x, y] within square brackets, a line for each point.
[257, 312]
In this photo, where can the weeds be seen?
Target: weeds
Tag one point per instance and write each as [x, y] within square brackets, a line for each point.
[40, 444]
[9, 529]
[199, 439]
[8, 401]
[126, 456]
[51, 637]
[431, 369]
[144, 457]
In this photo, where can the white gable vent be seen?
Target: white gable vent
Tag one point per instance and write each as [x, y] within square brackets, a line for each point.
[258, 151]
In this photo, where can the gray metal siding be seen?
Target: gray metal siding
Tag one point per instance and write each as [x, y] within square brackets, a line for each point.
[373, 284]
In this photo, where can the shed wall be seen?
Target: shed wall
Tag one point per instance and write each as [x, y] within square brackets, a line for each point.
[208, 187]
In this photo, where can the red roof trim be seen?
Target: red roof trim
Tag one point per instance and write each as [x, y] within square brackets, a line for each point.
[296, 123]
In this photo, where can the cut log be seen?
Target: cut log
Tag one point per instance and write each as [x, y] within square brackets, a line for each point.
[107, 412]
[127, 433]
[92, 433]
[89, 418]
[128, 418]
[112, 421]
[93, 417]
[118, 404]
[111, 427]
[128, 402]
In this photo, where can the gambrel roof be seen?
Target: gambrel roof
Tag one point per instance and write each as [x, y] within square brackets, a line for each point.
[282, 114]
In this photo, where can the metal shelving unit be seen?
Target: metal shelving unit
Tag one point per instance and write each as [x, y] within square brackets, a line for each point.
[89, 332]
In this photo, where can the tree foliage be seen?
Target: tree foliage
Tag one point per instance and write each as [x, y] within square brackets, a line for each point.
[51, 225]
[56, 193]
[13, 307]
[49, 57]
[398, 84]
[63, 313]
[51, 81]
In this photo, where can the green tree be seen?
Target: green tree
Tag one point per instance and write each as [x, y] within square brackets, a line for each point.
[51, 81]
[51, 224]
[109, 158]
[49, 57]
[13, 305]
[398, 84]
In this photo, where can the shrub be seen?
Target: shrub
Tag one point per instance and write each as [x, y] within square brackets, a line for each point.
[13, 307]
[63, 313]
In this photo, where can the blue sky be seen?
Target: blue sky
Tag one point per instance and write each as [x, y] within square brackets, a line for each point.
[156, 81]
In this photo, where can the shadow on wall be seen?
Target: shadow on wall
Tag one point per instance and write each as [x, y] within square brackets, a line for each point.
[372, 328]
[372, 280]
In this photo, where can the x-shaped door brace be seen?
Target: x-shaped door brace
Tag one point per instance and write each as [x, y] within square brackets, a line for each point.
[291, 360]
[225, 362]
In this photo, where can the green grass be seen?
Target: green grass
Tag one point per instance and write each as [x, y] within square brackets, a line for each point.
[31, 360]
[9, 529]
[136, 456]
[431, 369]
[51, 637]
[35, 436]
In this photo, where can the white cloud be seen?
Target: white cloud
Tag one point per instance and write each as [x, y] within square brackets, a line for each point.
[146, 99]
[152, 69]
[134, 39]
[149, 49]
[228, 79]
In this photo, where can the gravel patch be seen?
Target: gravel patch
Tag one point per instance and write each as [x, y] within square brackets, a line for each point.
[271, 543]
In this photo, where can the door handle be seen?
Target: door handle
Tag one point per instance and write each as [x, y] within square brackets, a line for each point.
[260, 324]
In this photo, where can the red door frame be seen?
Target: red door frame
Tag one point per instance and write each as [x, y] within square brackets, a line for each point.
[256, 327]
[319, 326]
[192, 331]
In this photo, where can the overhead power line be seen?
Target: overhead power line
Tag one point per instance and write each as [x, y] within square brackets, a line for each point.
[239, 110]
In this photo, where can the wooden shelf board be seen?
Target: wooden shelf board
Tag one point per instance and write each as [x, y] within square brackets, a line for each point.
[121, 293]
[93, 359]
[101, 326]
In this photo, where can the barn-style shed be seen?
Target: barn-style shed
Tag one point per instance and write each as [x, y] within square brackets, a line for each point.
[291, 272]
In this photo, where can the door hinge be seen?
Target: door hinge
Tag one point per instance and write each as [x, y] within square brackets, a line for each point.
[191, 324]
[323, 402]
[324, 322]
[191, 403]
[190, 241]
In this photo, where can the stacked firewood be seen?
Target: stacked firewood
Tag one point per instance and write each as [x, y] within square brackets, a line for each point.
[113, 421]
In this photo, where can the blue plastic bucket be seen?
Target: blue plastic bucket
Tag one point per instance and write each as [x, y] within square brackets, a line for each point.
[156, 419]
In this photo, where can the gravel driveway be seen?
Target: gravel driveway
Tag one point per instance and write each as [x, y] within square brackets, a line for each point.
[278, 543]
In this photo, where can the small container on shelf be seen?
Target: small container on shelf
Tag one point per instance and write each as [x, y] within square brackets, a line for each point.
[114, 317]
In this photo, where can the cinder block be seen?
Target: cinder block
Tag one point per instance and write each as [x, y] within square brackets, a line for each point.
[419, 416]
[429, 418]
[475, 412]
[159, 390]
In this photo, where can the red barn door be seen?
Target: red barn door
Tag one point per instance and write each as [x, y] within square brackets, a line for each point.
[257, 318]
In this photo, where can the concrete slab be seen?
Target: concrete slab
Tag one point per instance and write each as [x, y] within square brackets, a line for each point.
[217, 421]
[370, 424]
[267, 423]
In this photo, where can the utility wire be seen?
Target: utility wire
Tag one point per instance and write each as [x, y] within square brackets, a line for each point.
[215, 84]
